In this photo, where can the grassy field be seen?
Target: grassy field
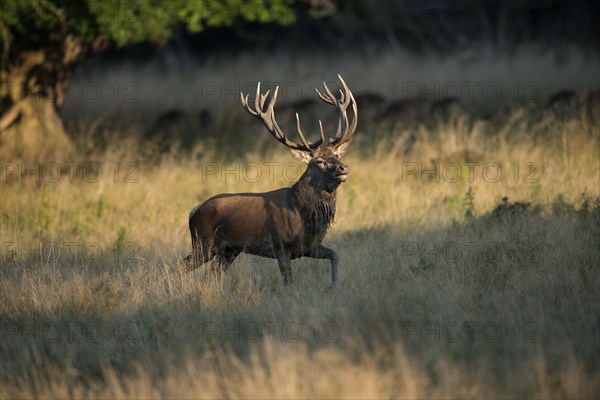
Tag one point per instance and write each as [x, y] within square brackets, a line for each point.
[468, 268]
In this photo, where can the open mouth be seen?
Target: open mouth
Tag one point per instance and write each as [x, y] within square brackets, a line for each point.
[342, 177]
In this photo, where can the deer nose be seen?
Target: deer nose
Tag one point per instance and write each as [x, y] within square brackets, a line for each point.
[343, 169]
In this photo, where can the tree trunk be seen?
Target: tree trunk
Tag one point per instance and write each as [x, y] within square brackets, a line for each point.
[31, 129]
[36, 135]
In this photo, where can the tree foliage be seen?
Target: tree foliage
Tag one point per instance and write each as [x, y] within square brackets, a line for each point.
[131, 21]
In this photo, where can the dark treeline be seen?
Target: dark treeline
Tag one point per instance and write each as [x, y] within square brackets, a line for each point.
[437, 26]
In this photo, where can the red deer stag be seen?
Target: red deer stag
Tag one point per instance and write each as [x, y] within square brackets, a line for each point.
[284, 224]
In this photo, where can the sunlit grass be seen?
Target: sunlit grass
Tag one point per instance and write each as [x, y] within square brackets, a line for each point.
[92, 303]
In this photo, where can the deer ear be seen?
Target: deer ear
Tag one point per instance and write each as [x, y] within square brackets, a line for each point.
[341, 149]
[301, 156]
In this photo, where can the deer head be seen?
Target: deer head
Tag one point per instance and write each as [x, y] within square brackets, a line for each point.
[324, 167]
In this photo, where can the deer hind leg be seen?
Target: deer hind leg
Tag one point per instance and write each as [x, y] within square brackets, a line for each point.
[224, 259]
[321, 252]
[284, 261]
[202, 252]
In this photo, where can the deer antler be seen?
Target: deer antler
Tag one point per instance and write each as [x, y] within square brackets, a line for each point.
[344, 130]
[268, 118]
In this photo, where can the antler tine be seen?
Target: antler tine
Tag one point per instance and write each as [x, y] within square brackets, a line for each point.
[343, 119]
[257, 106]
[322, 134]
[329, 98]
[271, 113]
[354, 107]
[322, 97]
[244, 101]
[277, 132]
[344, 129]
[268, 118]
[263, 98]
[273, 100]
[342, 123]
[342, 97]
[329, 94]
[300, 134]
[312, 146]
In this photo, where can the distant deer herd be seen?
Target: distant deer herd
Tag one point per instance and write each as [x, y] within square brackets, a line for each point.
[376, 108]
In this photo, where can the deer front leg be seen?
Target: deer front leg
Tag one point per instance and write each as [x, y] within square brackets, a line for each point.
[321, 252]
[284, 261]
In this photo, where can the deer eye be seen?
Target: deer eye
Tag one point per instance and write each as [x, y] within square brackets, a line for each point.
[320, 162]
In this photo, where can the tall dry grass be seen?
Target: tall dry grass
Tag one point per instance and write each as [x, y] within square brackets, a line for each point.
[445, 290]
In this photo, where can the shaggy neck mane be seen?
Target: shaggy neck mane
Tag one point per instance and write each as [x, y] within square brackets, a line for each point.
[317, 206]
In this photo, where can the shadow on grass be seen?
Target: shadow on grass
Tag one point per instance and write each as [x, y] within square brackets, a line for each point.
[495, 290]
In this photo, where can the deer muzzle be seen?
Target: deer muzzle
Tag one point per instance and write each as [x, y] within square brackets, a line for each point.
[342, 172]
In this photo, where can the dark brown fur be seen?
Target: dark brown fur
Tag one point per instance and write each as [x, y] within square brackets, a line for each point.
[283, 224]
[287, 223]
